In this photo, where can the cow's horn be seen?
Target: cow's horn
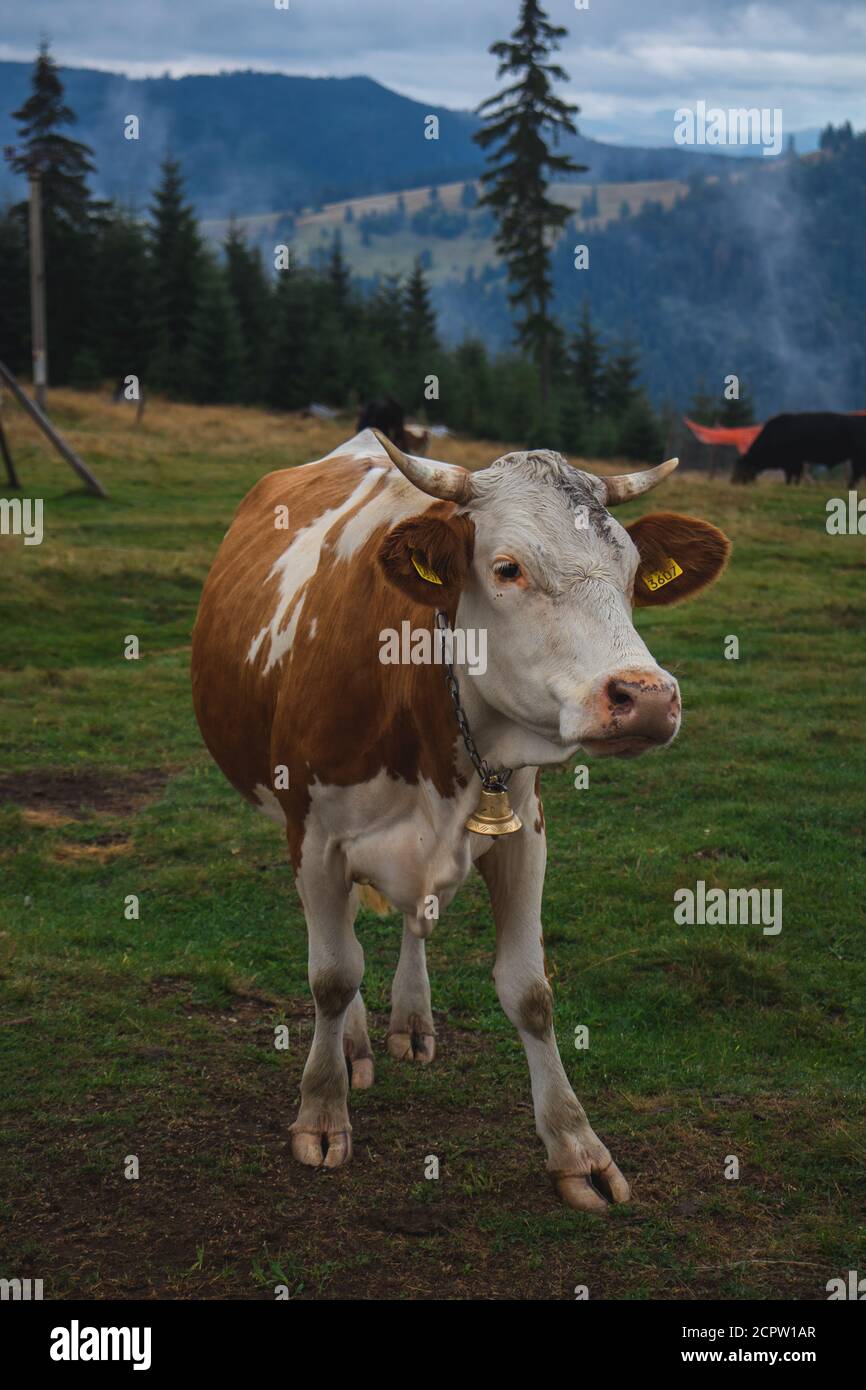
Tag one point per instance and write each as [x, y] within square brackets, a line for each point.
[624, 486]
[447, 481]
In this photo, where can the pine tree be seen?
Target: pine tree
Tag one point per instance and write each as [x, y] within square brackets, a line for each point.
[620, 384]
[419, 332]
[639, 434]
[63, 163]
[385, 313]
[471, 387]
[123, 302]
[573, 421]
[587, 357]
[291, 381]
[214, 354]
[704, 408]
[589, 205]
[68, 212]
[737, 411]
[248, 286]
[339, 281]
[177, 260]
[418, 335]
[516, 183]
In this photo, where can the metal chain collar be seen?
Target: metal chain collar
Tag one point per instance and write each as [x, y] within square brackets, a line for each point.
[490, 780]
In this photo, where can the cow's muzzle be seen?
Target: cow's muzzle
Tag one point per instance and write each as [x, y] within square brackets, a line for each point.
[632, 711]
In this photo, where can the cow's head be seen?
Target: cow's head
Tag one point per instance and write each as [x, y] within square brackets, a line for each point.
[533, 555]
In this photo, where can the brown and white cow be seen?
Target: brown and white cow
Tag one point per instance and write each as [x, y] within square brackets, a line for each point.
[287, 677]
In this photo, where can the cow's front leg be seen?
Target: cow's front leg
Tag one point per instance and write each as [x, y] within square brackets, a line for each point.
[583, 1172]
[411, 1034]
[322, 1134]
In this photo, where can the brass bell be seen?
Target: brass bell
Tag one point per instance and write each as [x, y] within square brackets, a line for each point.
[493, 815]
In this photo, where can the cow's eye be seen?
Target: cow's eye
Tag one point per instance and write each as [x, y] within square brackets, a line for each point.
[507, 569]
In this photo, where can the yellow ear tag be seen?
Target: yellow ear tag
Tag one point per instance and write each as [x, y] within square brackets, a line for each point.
[661, 577]
[429, 575]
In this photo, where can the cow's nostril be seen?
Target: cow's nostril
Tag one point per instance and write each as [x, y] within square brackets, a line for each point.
[619, 695]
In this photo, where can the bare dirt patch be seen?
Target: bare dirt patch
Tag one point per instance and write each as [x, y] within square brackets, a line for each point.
[46, 820]
[96, 852]
[78, 793]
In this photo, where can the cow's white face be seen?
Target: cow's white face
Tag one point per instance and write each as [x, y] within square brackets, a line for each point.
[534, 559]
[551, 582]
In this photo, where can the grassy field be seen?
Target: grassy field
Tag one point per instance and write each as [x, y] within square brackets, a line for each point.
[155, 1037]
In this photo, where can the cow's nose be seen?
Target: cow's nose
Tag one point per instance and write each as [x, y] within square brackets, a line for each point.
[642, 704]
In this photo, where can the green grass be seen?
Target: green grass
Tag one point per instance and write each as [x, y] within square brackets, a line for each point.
[155, 1037]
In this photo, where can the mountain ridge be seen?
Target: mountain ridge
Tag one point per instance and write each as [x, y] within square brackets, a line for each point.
[253, 142]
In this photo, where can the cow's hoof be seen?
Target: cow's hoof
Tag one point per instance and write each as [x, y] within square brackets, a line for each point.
[595, 1192]
[412, 1047]
[361, 1071]
[322, 1148]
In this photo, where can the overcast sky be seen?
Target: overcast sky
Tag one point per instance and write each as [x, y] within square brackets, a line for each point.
[631, 62]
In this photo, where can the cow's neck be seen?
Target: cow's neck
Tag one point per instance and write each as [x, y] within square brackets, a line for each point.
[500, 741]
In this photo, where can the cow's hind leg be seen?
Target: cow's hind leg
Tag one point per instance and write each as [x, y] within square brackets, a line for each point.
[356, 1045]
[411, 1034]
[583, 1172]
[322, 1134]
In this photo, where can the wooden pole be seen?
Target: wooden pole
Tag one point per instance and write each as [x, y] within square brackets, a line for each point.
[51, 433]
[11, 475]
[37, 291]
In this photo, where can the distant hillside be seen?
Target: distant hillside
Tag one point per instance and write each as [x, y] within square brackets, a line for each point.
[760, 275]
[757, 273]
[253, 142]
[383, 234]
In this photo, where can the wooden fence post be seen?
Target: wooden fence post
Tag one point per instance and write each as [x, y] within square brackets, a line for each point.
[51, 433]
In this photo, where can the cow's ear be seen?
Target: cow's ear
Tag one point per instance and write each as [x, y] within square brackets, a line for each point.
[428, 557]
[679, 556]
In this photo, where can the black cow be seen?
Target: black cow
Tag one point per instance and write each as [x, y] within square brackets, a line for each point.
[790, 441]
[389, 417]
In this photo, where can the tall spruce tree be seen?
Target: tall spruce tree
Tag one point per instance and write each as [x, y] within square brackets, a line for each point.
[291, 379]
[122, 305]
[620, 385]
[385, 313]
[215, 350]
[517, 121]
[471, 386]
[739, 410]
[639, 433]
[63, 163]
[704, 408]
[68, 212]
[587, 359]
[339, 281]
[419, 320]
[248, 286]
[420, 345]
[177, 261]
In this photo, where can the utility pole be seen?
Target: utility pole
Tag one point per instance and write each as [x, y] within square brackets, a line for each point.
[38, 330]
[37, 290]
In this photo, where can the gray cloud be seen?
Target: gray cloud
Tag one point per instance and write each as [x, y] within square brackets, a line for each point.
[631, 63]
